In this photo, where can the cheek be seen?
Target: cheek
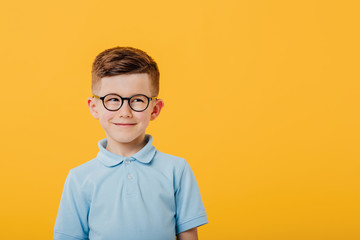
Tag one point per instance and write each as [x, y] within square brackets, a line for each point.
[143, 117]
[105, 116]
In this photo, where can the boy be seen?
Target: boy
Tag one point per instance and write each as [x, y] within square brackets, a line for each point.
[130, 191]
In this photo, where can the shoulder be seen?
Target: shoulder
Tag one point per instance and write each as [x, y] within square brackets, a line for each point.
[173, 161]
[178, 166]
[85, 168]
[170, 158]
[84, 172]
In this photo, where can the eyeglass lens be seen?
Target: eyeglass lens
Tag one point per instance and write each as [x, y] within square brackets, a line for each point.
[137, 102]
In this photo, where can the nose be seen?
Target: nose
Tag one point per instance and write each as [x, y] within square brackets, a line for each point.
[125, 110]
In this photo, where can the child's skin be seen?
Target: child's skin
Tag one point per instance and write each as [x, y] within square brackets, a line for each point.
[125, 128]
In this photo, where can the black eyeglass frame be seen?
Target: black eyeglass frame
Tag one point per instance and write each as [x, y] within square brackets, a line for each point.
[123, 99]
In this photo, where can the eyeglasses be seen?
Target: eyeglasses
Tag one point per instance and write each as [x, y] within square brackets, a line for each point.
[113, 102]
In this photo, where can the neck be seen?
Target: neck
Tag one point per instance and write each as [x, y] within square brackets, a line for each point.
[126, 149]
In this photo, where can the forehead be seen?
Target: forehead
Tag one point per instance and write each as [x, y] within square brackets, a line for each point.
[126, 84]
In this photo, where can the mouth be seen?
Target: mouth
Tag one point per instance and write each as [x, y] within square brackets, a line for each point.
[125, 124]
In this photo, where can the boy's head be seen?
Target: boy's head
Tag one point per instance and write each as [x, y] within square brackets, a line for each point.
[125, 84]
[124, 60]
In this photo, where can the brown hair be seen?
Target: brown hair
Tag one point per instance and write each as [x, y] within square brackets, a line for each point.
[124, 60]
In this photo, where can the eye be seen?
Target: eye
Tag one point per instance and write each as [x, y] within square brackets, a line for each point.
[137, 100]
[113, 100]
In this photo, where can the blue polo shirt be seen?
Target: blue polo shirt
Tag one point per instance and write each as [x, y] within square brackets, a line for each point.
[150, 195]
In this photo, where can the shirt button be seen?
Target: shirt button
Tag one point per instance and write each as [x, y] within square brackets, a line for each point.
[130, 176]
[127, 161]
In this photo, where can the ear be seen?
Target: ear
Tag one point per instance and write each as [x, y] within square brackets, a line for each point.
[93, 107]
[159, 104]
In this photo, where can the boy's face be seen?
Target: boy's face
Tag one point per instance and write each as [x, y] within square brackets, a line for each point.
[125, 125]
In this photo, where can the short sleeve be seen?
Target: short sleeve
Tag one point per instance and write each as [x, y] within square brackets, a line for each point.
[72, 218]
[190, 211]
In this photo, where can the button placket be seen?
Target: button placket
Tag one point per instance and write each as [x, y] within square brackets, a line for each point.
[130, 177]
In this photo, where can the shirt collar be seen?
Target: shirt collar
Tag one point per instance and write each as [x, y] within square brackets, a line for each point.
[110, 159]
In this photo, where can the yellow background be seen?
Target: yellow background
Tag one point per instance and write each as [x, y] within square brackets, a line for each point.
[261, 98]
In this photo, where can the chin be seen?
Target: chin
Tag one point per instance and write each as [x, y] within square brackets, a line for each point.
[125, 139]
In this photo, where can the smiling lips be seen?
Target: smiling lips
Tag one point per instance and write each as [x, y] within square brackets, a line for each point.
[124, 124]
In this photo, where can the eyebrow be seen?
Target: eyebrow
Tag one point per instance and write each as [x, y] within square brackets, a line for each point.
[129, 96]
